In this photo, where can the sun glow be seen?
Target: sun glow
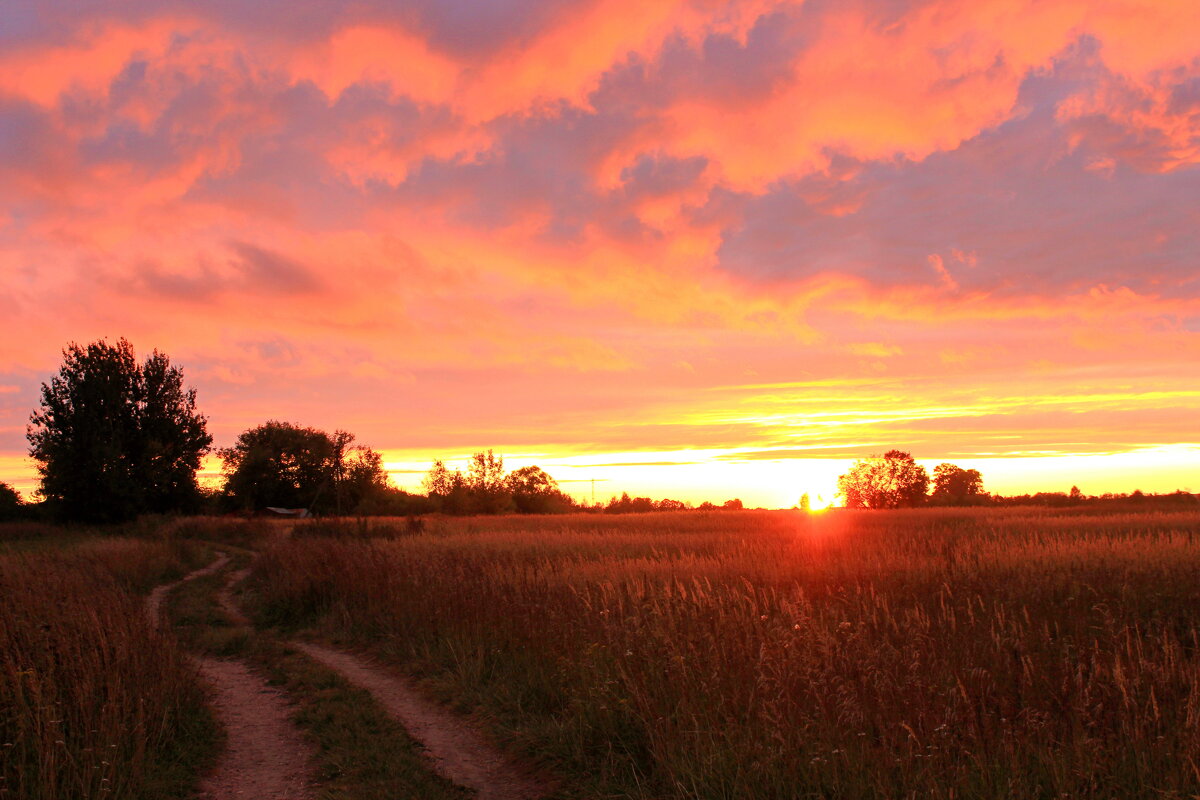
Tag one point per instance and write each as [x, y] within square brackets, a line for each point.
[818, 502]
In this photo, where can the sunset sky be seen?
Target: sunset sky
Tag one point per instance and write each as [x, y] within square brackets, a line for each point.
[688, 248]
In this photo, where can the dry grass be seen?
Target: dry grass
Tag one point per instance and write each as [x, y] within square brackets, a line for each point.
[945, 654]
[94, 702]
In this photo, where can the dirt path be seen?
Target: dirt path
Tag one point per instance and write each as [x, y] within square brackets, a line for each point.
[265, 757]
[225, 597]
[159, 594]
[458, 751]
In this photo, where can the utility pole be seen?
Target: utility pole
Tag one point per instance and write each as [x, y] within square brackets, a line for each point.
[592, 481]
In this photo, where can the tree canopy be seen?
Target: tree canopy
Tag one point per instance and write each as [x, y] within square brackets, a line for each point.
[114, 439]
[284, 465]
[535, 492]
[893, 480]
[10, 502]
[486, 489]
[955, 486]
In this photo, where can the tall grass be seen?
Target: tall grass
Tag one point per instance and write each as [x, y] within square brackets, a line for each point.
[94, 701]
[943, 654]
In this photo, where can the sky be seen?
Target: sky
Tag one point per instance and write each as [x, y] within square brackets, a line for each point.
[685, 248]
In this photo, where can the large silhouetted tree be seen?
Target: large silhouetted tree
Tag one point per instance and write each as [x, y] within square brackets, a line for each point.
[955, 486]
[893, 480]
[289, 466]
[114, 438]
[535, 492]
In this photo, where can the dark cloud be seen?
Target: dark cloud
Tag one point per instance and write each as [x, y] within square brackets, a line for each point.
[273, 273]
[1014, 209]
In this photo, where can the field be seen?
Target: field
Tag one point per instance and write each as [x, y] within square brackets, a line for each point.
[950, 654]
[94, 700]
[981, 653]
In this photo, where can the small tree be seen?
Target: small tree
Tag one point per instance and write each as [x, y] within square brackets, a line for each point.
[363, 480]
[893, 480]
[10, 503]
[485, 479]
[440, 481]
[533, 491]
[447, 490]
[114, 439]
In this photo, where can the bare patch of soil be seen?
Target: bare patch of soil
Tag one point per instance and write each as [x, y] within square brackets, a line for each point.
[458, 751]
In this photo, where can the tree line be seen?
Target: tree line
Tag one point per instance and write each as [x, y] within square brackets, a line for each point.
[896, 480]
[114, 437]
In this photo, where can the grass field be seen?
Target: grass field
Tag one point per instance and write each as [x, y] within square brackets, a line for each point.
[942, 654]
[984, 653]
[95, 702]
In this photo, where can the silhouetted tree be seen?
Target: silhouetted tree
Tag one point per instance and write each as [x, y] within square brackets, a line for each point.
[805, 502]
[440, 480]
[733, 505]
[629, 505]
[955, 486]
[278, 464]
[485, 479]
[447, 490]
[285, 465]
[10, 503]
[893, 480]
[535, 492]
[486, 489]
[361, 479]
[114, 439]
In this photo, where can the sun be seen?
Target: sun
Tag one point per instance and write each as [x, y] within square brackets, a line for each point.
[817, 501]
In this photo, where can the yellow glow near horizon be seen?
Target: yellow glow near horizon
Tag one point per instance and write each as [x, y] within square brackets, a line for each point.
[717, 475]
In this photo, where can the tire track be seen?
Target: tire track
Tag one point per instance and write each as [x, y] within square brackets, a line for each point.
[459, 752]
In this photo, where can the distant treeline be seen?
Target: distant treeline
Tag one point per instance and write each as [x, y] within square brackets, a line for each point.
[896, 480]
[115, 438]
[1178, 499]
